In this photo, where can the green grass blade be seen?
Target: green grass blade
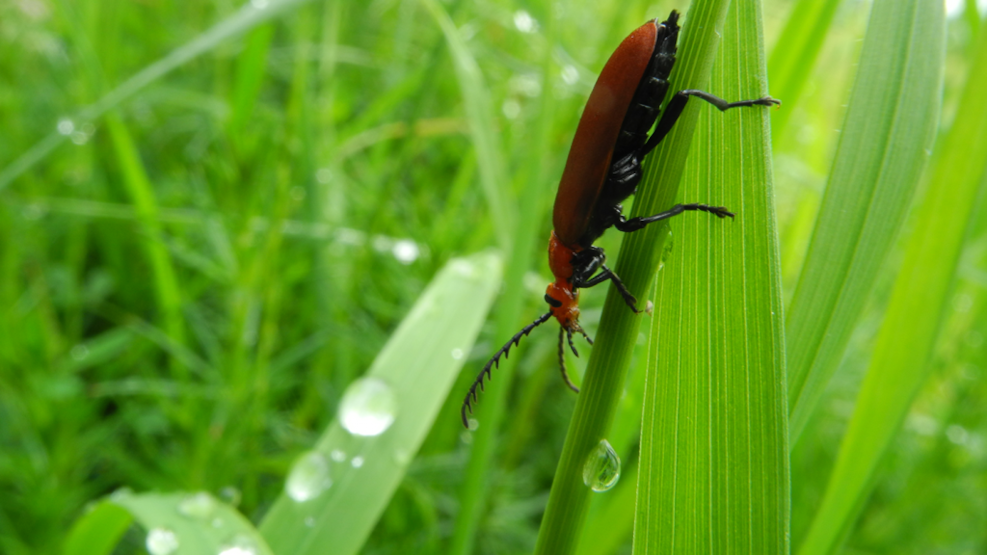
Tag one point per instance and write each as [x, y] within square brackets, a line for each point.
[795, 54]
[141, 194]
[714, 456]
[902, 359]
[477, 103]
[638, 261]
[197, 524]
[98, 531]
[416, 362]
[885, 141]
[242, 21]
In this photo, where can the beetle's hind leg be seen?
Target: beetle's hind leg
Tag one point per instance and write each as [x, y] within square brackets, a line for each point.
[677, 104]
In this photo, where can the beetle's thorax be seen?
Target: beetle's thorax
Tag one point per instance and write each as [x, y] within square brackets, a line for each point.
[560, 258]
[565, 307]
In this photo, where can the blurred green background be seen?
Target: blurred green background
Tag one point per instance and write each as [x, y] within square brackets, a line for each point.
[192, 270]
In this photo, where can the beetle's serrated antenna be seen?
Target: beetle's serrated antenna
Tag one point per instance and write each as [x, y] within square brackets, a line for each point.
[565, 375]
[478, 382]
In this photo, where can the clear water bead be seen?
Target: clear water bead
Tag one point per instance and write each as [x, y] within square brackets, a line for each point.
[230, 495]
[602, 468]
[66, 126]
[368, 407]
[197, 505]
[309, 477]
[161, 541]
[241, 545]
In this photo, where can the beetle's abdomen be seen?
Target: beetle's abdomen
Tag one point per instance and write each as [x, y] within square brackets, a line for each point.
[592, 146]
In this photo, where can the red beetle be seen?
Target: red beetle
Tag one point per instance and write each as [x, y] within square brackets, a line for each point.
[603, 169]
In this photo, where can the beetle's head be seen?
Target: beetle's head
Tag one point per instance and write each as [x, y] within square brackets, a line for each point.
[563, 301]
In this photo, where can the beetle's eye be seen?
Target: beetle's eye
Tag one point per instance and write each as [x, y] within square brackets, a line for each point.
[552, 301]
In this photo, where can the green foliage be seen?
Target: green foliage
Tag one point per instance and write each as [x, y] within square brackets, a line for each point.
[215, 217]
[714, 440]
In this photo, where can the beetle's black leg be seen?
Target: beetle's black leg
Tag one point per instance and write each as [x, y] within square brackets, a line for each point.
[605, 274]
[568, 334]
[635, 224]
[565, 375]
[723, 105]
[677, 104]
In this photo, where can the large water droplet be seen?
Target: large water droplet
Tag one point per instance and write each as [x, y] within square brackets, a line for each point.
[66, 126]
[309, 477]
[161, 541]
[230, 495]
[120, 494]
[602, 468]
[405, 251]
[368, 407]
[197, 505]
[240, 545]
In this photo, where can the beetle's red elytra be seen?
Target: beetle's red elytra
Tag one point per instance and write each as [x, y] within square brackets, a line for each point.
[603, 169]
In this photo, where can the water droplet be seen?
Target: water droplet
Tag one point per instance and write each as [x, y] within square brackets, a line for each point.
[33, 211]
[309, 477]
[524, 22]
[401, 457]
[161, 541]
[963, 302]
[649, 307]
[602, 468]
[357, 462]
[463, 268]
[79, 352]
[120, 494]
[457, 354]
[66, 126]
[337, 455]
[240, 545]
[474, 424]
[511, 109]
[79, 138]
[197, 505]
[667, 248]
[259, 4]
[957, 434]
[570, 75]
[368, 407]
[405, 251]
[382, 243]
[230, 495]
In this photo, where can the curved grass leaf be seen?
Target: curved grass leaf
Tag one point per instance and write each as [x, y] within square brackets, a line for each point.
[902, 359]
[714, 456]
[886, 138]
[197, 523]
[638, 261]
[417, 363]
[248, 17]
